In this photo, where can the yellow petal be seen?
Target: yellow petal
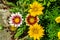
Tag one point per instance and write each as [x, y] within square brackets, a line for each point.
[12, 28]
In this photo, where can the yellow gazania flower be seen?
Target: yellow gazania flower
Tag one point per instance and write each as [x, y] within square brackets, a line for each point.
[57, 19]
[36, 9]
[58, 35]
[12, 28]
[36, 31]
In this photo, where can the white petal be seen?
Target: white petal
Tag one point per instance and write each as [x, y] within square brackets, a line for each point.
[27, 24]
[22, 19]
[10, 18]
[18, 12]
[18, 25]
[20, 15]
[27, 15]
[10, 22]
[12, 14]
[21, 22]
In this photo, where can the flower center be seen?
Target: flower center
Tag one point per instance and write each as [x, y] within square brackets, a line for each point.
[35, 31]
[32, 20]
[17, 20]
[35, 9]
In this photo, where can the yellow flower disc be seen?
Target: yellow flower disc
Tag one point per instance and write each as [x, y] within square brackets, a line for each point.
[17, 20]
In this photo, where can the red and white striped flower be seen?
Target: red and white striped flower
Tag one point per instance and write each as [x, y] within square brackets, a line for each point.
[15, 19]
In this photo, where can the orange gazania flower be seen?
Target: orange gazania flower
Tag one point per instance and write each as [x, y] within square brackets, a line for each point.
[31, 20]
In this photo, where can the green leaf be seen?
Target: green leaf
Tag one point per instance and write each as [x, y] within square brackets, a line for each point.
[52, 0]
[48, 4]
[19, 33]
[1, 27]
[40, 0]
[10, 4]
[15, 9]
[44, 2]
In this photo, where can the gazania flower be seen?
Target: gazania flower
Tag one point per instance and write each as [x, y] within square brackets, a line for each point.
[12, 28]
[36, 31]
[58, 35]
[15, 19]
[36, 9]
[57, 19]
[31, 20]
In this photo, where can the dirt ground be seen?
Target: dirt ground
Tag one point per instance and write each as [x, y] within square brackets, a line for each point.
[4, 35]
